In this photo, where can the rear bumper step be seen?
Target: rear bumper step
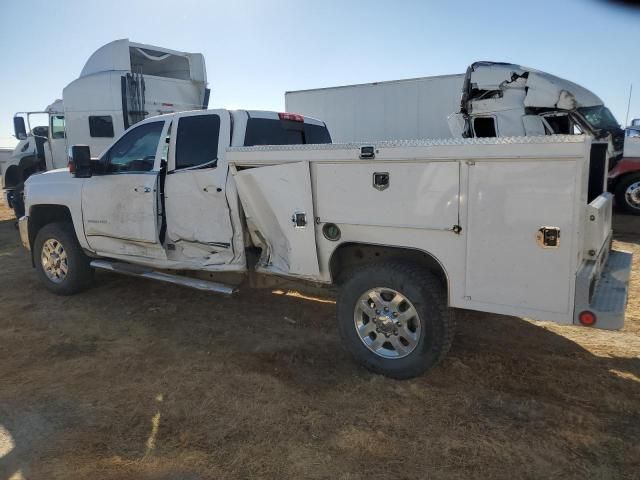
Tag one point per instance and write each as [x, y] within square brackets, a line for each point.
[137, 271]
[610, 290]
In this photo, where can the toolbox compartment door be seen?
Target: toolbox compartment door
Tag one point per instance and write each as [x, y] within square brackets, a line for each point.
[508, 270]
[278, 206]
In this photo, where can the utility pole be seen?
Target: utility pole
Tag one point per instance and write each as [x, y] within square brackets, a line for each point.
[626, 119]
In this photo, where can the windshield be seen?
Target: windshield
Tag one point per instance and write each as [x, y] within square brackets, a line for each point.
[600, 117]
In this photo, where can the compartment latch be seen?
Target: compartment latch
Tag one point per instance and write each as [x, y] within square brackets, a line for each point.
[299, 219]
[381, 180]
[548, 237]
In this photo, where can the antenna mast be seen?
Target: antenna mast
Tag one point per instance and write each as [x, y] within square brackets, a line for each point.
[626, 119]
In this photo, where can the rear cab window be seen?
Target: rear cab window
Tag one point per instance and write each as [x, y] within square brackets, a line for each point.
[284, 130]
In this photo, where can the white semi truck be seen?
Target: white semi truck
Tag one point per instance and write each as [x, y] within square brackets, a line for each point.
[121, 83]
[407, 231]
[491, 99]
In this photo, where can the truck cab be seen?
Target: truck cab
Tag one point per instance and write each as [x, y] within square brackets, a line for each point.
[503, 99]
[143, 196]
[41, 146]
[121, 84]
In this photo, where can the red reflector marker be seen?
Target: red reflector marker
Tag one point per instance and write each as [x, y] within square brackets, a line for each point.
[587, 318]
[294, 117]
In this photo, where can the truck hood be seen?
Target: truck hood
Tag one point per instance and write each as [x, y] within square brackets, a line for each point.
[60, 175]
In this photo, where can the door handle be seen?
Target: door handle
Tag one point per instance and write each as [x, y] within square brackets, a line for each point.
[141, 189]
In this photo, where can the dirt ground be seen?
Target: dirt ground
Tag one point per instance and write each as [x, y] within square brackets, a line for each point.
[139, 380]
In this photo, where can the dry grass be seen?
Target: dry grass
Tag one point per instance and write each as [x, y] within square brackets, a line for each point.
[134, 379]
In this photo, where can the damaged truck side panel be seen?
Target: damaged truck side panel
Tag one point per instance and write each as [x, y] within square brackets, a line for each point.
[287, 241]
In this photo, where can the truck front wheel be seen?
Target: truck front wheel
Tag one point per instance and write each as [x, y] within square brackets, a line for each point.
[628, 193]
[393, 318]
[61, 264]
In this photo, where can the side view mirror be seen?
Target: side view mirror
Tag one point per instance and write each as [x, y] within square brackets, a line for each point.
[80, 161]
[19, 128]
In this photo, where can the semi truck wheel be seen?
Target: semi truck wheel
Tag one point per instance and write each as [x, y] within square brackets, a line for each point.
[393, 318]
[61, 264]
[628, 194]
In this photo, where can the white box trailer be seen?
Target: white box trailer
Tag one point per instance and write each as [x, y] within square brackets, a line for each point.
[400, 109]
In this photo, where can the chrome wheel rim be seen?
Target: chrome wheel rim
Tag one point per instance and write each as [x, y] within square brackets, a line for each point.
[54, 260]
[632, 195]
[387, 323]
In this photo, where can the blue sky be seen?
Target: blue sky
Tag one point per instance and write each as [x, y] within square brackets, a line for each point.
[256, 50]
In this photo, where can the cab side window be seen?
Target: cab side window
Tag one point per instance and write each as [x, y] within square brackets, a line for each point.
[484, 127]
[57, 126]
[101, 126]
[197, 141]
[136, 151]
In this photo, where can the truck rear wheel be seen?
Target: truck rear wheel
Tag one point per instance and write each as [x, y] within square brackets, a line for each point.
[628, 194]
[61, 264]
[393, 318]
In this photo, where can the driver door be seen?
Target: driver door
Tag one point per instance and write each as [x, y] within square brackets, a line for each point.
[120, 206]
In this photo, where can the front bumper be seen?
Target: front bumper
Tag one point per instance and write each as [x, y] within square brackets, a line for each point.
[602, 288]
[23, 226]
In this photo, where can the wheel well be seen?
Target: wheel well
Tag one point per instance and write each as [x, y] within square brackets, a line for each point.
[350, 255]
[18, 174]
[41, 215]
[12, 177]
[28, 166]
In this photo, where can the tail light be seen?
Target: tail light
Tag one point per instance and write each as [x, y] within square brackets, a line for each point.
[72, 167]
[294, 117]
[587, 318]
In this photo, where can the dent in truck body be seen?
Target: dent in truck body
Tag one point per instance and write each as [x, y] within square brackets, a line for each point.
[271, 196]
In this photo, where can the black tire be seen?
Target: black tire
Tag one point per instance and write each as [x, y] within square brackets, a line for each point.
[427, 295]
[621, 193]
[79, 273]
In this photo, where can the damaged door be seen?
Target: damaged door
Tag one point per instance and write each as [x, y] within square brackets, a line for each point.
[119, 206]
[278, 206]
[199, 226]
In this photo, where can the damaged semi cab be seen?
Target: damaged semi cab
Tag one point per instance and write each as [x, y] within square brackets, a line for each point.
[407, 231]
[502, 99]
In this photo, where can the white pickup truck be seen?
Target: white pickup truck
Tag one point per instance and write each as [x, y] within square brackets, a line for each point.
[407, 231]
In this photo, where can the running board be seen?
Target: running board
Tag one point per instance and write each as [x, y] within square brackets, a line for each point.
[138, 271]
